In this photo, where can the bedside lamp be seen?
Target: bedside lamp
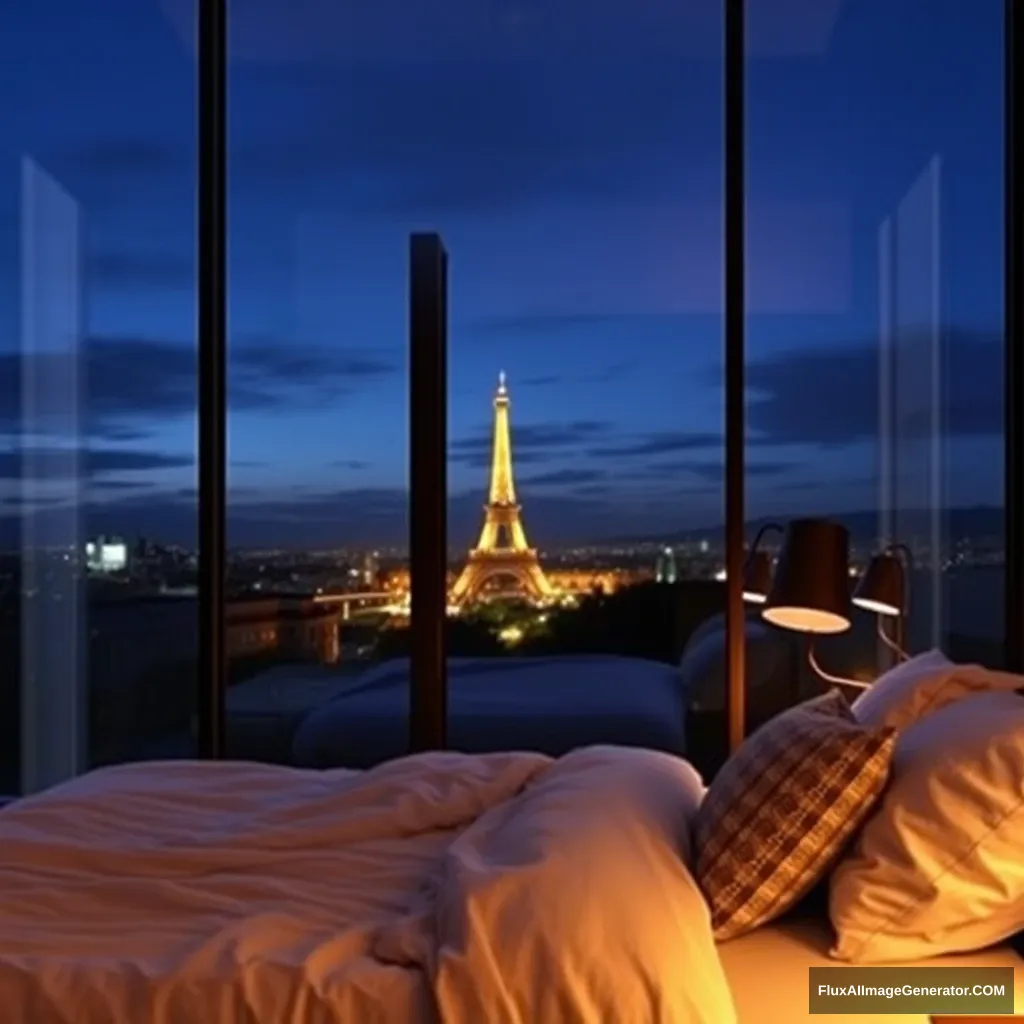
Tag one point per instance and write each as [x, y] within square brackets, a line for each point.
[810, 592]
[757, 573]
[883, 589]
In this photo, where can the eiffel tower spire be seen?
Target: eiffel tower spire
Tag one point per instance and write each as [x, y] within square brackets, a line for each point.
[502, 549]
[503, 489]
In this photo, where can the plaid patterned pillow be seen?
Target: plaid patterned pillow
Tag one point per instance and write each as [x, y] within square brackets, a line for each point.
[783, 807]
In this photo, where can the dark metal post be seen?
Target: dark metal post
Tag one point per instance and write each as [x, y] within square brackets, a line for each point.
[735, 315]
[428, 489]
[1013, 346]
[212, 268]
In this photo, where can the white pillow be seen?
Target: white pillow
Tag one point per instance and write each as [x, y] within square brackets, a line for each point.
[923, 685]
[939, 867]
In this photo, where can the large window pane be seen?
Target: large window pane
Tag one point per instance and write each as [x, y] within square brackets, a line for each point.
[570, 158]
[317, 390]
[875, 306]
[576, 175]
[97, 387]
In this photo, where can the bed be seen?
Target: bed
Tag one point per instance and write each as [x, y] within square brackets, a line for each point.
[550, 705]
[767, 972]
[503, 887]
[437, 887]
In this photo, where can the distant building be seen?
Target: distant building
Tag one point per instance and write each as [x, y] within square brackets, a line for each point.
[294, 627]
[106, 554]
[665, 569]
[371, 569]
[134, 678]
[588, 581]
[131, 638]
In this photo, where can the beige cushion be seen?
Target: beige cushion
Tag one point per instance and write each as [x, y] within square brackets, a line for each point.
[901, 695]
[781, 809]
[922, 685]
[939, 867]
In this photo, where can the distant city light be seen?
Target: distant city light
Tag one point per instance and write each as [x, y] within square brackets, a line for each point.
[511, 635]
[104, 555]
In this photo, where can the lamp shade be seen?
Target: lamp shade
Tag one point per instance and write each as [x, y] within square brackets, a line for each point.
[757, 577]
[882, 587]
[810, 591]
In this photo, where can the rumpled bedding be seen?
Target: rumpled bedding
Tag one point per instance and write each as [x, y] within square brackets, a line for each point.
[438, 887]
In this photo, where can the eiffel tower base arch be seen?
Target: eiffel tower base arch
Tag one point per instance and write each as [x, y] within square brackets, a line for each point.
[484, 566]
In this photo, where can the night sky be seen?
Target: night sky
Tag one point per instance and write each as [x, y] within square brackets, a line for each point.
[570, 154]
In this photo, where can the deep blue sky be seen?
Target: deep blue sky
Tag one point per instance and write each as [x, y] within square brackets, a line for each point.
[570, 154]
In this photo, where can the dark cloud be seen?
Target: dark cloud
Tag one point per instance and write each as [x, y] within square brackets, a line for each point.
[535, 435]
[53, 463]
[357, 515]
[129, 382]
[564, 478]
[616, 370]
[592, 490]
[122, 156]
[117, 486]
[703, 472]
[850, 483]
[714, 472]
[343, 517]
[829, 396]
[140, 270]
[482, 459]
[119, 433]
[23, 503]
[532, 443]
[659, 443]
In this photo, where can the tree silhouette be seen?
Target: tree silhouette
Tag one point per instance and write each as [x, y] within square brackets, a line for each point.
[464, 638]
[649, 620]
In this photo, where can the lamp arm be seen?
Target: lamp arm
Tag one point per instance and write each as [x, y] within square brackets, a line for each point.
[899, 548]
[827, 676]
[888, 641]
[760, 534]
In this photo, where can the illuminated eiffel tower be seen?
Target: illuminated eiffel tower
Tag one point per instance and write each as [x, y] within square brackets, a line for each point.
[502, 549]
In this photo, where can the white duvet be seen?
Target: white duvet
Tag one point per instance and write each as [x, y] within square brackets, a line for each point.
[464, 889]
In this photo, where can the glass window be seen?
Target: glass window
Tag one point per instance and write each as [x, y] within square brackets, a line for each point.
[97, 386]
[875, 202]
[571, 161]
[317, 380]
[576, 175]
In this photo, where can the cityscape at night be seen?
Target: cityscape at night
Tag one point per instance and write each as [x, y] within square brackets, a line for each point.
[572, 165]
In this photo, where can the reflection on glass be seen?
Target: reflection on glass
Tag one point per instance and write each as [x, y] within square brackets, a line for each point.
[875, 387]
[53, 693]
[97, 389]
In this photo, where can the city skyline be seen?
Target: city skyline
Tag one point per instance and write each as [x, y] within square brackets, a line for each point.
[576, 182]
